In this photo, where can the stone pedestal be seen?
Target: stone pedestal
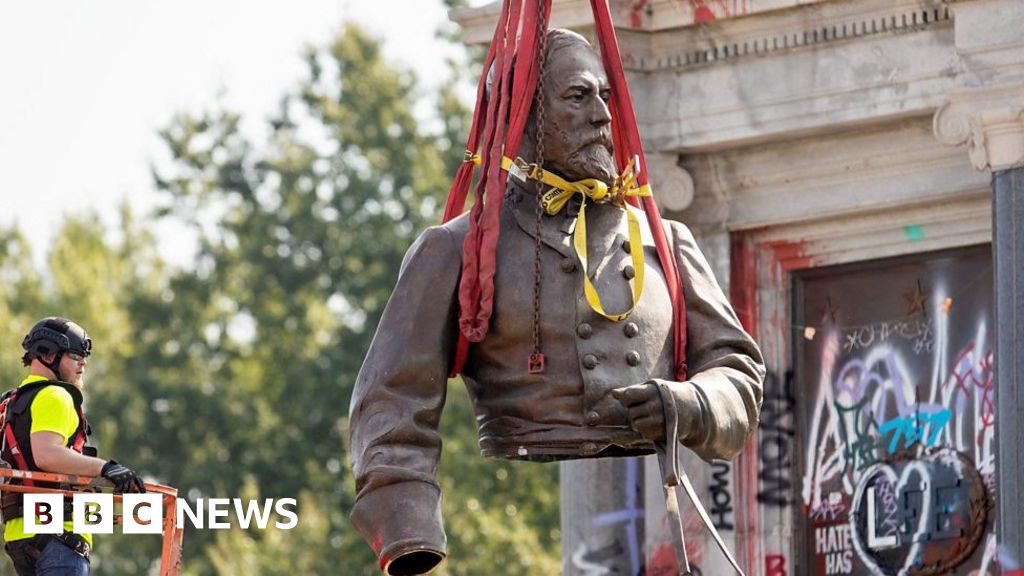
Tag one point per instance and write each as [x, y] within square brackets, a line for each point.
[602, 517]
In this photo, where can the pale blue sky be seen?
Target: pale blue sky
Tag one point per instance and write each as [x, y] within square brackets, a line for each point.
[85, 85]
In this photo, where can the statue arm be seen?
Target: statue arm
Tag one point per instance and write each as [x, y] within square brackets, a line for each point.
[396, 406]
[720, 403]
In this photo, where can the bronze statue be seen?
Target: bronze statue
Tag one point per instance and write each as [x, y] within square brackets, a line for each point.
[606, 382]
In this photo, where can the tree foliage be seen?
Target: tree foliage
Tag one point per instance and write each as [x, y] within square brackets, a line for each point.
[232, 378]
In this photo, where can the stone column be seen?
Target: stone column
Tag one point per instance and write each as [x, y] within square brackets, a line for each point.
[602, 517]
[994, 136]
[1008, 249]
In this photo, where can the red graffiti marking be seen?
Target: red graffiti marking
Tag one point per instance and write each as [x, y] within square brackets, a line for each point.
[702, 13]
[711, 10]
[662, 562]
[636, 13]
[791, 255]
[743, 281]
[969, 377]
[775, 565]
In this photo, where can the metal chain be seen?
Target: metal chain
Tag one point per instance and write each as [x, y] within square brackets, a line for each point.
[535, 363]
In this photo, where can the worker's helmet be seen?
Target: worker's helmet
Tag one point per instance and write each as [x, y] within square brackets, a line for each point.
[55, 335]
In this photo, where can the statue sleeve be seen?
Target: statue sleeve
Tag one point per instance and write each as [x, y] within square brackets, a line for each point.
[720, 403]
[396, 407]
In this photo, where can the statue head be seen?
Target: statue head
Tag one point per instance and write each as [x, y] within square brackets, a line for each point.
[575, 127]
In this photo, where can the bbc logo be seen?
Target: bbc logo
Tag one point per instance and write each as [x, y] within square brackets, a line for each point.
[94, 513]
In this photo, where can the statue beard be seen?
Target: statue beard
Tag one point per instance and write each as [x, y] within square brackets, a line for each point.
[593, 160]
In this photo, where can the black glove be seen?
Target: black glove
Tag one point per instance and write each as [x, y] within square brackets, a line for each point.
[124, 478]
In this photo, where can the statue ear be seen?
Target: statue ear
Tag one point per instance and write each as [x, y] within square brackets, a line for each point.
[492, 78]
[489, 82]
[528, 145]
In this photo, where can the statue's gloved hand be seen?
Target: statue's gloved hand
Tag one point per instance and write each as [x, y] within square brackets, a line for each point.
[646, 409]
[647, 404]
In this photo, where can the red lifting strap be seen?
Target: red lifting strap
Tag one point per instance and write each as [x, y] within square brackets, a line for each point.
[626, 135]
[497, 127]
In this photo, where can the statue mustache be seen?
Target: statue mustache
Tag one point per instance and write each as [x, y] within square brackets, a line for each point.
[601, 137]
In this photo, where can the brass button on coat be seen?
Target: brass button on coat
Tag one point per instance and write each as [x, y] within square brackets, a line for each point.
[590, 361]
[584, 330]
[633, 358]
[629, 272]
[568, 265]
[631, 329]
[593, 418]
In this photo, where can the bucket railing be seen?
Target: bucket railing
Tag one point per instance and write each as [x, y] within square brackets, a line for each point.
[170, 556]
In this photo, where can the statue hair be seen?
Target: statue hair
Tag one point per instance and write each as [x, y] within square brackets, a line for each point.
[558, 39]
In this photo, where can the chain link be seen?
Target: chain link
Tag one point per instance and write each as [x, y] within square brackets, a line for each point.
[536, 360]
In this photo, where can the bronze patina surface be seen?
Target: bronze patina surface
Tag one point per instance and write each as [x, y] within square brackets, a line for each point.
[598, 394]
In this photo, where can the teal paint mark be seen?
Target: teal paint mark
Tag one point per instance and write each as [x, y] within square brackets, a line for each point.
[914, 232]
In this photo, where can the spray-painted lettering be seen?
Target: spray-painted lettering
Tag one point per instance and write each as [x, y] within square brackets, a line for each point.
[913, 427]
[775, 565]
[776, 441]
[721, 497]
[836, 544]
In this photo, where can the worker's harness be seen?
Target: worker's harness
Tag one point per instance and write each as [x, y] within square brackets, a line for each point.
[15, 432]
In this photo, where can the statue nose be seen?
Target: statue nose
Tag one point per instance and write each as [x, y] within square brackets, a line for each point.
[600, 114]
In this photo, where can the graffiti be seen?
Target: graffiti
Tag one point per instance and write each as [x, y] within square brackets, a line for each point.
[859, 444]
[874, 396]
[885, 509]
[663, 563]
[595, 562]
[775, 565]
[897, 415]
[824, 461]
[836, 544]
[776, 441]
[830, 510]
[912, 429]
[629, 515]
[919, 332]
[939, 518]
[721, 497]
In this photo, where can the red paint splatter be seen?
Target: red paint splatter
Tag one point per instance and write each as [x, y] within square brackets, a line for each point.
[743, 282]
[775, 565]
[662, 562]
[791, 255]
[636, 13]
[378, 543]
[703, 14]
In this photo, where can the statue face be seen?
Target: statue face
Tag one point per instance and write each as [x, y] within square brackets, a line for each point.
[577, 132]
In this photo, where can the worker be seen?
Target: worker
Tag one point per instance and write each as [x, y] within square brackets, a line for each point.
[44, 429]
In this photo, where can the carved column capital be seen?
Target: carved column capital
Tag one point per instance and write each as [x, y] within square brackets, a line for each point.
[990, 124]
[672, 184]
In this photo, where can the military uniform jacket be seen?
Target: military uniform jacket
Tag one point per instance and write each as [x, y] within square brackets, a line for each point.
[565, 412]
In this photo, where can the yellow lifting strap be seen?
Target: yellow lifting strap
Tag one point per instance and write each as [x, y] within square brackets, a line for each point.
[558, 196]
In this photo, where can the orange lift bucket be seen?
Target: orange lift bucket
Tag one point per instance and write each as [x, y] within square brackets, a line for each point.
[170, 556]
